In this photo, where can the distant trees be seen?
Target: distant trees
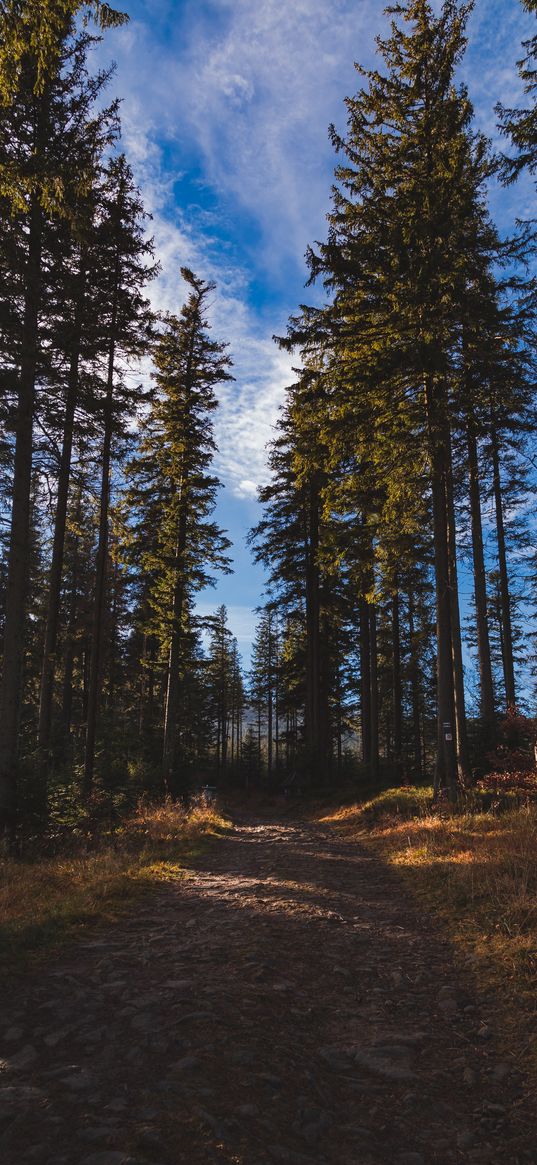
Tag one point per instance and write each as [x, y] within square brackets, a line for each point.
[264, 686]
[225, 693]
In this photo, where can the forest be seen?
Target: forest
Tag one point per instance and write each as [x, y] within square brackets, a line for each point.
[281, 911]
[396, 638]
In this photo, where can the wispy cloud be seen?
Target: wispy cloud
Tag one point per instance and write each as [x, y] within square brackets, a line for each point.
[248, 89]
[248, 405]
[239, 93]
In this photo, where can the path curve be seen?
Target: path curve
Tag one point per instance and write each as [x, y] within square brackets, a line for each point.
[286, 1002]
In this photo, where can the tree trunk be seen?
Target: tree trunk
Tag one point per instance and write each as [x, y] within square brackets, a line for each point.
[339, 742]
[505, 597]
[270, 709]
[312, 725]
[456, 640]
[324, 719]
[169, 750]
[67, 700]
[48, 671]
[365, 682]
[374, 693]
[142, 690]
[111, 637]
[95, 677]
[19, 544]
[396, 687]
[225, 731]
[415, 690]
[259, 733]
[486, 686]
[446, 767]
[277, 717]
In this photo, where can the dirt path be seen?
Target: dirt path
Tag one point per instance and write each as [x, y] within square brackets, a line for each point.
[287, 1002]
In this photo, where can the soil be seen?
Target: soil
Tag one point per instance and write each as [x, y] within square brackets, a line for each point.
[287, 1001]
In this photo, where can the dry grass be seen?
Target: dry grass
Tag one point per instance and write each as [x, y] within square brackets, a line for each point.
[43, 902]
[479, 872]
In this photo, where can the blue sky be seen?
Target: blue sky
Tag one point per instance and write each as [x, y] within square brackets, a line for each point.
[226, 105]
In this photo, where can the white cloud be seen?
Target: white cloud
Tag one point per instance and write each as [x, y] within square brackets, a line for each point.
[245, 90]
[248, 405]
[248, 411]
[251, 86]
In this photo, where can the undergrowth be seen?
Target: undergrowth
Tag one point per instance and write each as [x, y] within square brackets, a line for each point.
[46, 900]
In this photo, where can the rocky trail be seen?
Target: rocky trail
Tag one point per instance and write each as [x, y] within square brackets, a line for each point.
[286, 1002]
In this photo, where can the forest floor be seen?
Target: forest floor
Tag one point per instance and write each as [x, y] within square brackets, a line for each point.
[285, 1000]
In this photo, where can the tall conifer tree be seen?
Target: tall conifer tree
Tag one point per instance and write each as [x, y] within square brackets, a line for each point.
[46, 167]
[173, 492]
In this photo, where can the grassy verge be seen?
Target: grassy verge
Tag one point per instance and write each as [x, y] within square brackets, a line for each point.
[45, 902]
[478, 871]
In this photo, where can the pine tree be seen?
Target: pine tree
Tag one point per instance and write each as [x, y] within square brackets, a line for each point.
[264, 682]
[220, 680]
[520, 125]
[123, 253]
[78, 346]
[398, 263]
[238, 704]
[46, 168]
[173, 492]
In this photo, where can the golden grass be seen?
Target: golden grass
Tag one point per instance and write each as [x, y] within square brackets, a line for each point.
[43, 902]
[478, 871]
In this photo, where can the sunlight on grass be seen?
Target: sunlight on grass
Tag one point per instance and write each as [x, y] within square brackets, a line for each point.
[478, 871]
[43, 901]
[397, 804]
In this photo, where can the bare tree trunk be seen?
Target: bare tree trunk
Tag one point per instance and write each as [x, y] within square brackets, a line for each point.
[48, 671]
[374, 693]
[270, 708]
[225, 730]
[67, 700]
[505, 597]
[277, 718]
[446, 767]
[313, 637]
[259, 734]
[169, 749]
[396, 686]
[365, 681]
[19, 544]
[456, 640]
[95, 677]
[142, 689]
[67, 687]
[486, 685]
[415, 689]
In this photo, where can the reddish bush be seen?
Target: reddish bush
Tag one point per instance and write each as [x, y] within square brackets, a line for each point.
[513, 762]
